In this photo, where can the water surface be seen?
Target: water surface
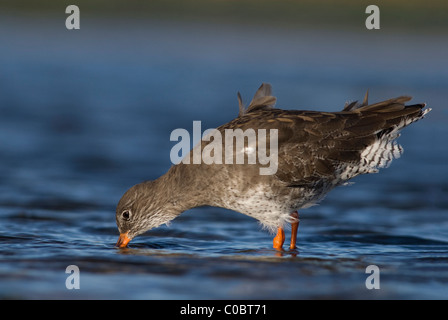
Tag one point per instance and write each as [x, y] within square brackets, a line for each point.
[87, 114]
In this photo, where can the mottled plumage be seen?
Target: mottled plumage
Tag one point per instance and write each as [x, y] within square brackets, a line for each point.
[317, 151]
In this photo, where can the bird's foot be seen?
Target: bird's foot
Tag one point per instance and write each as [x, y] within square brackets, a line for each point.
[279, 239]
[294, 227]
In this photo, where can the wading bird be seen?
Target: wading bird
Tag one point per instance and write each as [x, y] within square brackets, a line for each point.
[317, 151]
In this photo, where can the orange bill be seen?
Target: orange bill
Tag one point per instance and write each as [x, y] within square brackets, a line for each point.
[123, 240]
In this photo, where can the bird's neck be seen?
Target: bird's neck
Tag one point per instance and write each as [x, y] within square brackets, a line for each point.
[181, 188]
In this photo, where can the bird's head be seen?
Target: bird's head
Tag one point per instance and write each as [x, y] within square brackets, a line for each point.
[140, 209]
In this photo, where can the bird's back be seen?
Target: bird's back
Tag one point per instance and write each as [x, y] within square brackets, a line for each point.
[330, 146]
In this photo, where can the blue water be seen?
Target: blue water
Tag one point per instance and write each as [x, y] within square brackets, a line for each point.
[85, 114]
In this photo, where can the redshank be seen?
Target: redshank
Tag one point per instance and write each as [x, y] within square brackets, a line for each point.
[316, 151]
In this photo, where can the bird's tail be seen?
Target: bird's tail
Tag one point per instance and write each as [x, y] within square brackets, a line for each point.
[394, 116]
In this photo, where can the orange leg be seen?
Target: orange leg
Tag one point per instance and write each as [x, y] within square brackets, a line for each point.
[279, 239]
[294, 227]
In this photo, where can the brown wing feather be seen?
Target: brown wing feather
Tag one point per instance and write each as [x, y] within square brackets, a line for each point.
[313, 145]
[332, 141]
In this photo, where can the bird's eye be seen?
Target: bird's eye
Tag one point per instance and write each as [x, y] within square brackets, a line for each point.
[126, 215]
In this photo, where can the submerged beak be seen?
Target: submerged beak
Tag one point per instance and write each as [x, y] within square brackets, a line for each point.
[123, 240]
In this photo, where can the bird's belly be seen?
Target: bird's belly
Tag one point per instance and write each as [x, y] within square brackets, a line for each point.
[271, 209]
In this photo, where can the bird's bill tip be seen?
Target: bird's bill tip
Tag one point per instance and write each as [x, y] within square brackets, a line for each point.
[123, 240]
